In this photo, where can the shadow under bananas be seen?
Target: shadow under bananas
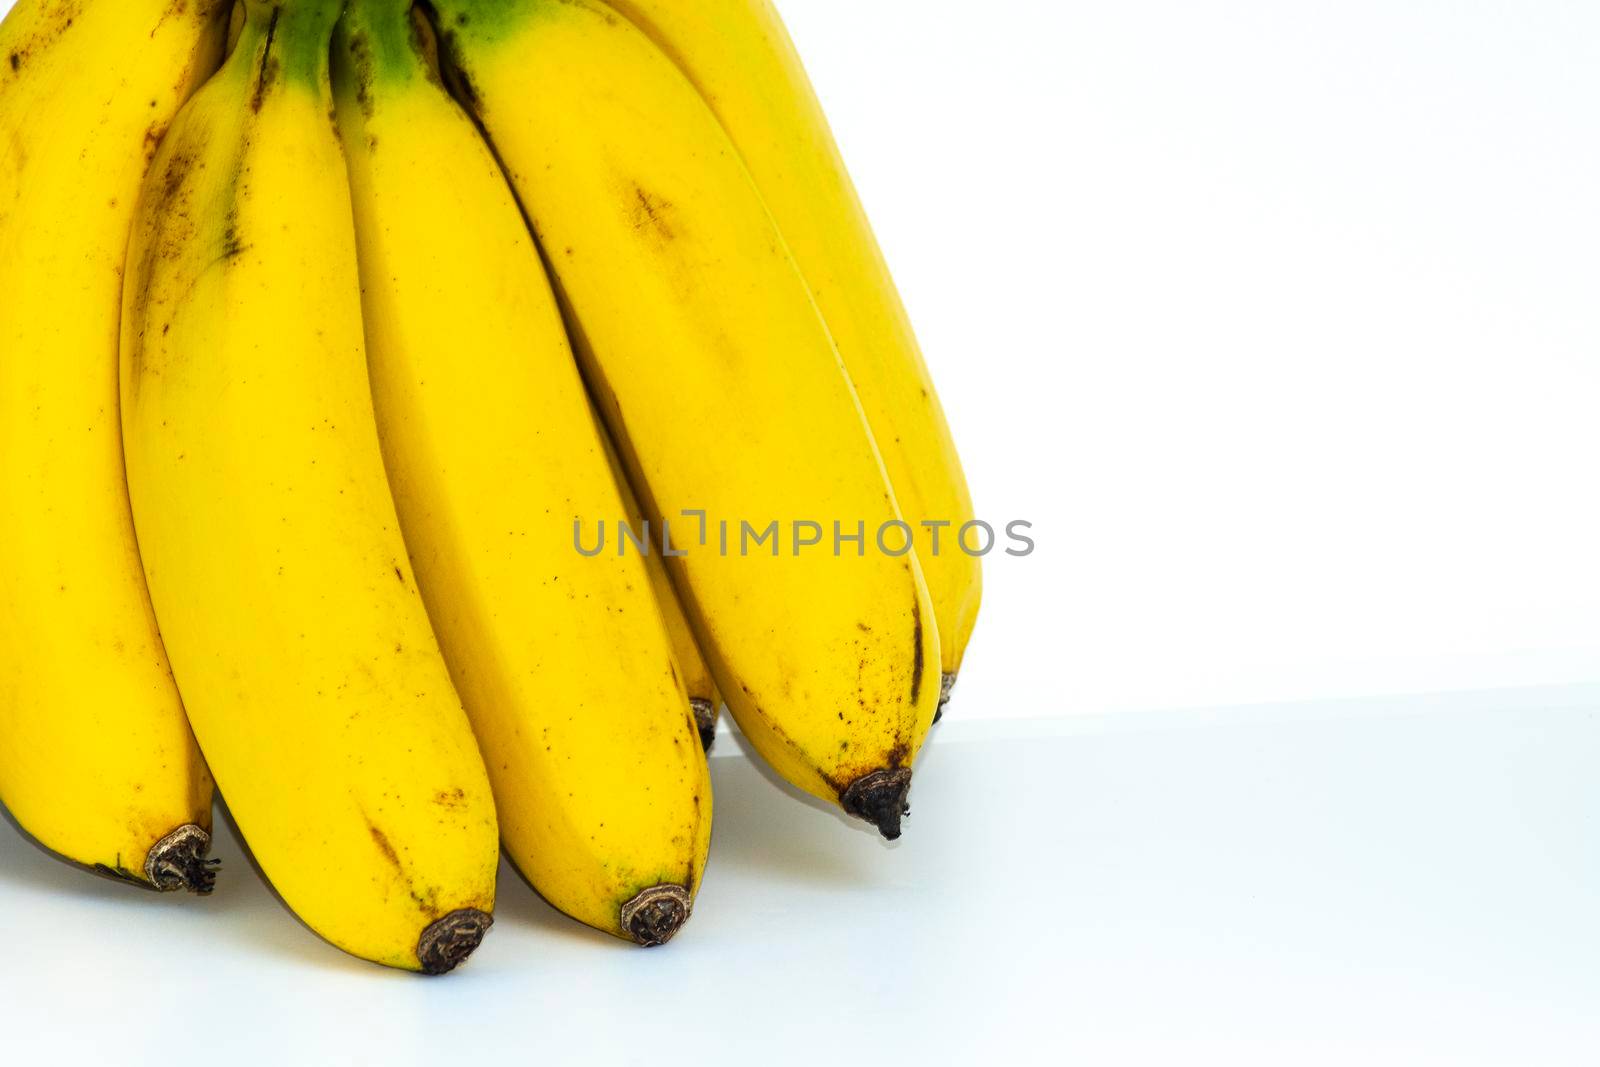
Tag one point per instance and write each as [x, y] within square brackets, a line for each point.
[242, 909]
[26, 863]
[256, 915]
[766, 831]
[765, 825]
[517, 902]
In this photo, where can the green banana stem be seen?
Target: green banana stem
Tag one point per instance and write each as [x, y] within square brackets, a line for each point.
[290, 39]
[382, 39]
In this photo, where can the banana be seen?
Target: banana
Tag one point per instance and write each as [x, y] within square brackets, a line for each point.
[690, 313]
[704, 699]
[740, 56]
[270, 539]
[235, 25]
[96, 759]
[561, 658]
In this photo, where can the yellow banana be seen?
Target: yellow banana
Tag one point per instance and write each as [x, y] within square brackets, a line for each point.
[561, 657]
[692, 313]
[270, 539]
[740, 56]
[704, 699]
[96, 758]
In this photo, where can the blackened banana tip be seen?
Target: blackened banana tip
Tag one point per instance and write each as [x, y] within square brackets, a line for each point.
[178, 861]
[705, 720]
[446, 943]
[880, 799]
[655, 916]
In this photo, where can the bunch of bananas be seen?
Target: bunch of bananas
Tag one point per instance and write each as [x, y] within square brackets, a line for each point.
[324, 327]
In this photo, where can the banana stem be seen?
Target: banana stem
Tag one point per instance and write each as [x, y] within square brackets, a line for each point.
[296, 35]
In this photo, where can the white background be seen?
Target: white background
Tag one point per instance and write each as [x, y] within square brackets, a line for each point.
[1281, 321]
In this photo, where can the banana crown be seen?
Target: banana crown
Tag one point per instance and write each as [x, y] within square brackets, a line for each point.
[290, 39]
[388, 40]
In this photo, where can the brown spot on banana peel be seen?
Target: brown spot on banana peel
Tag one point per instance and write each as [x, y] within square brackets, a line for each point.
[917, 664]
[206, 8]
[453, 72]
[446, 943]
[656, 915]
[152, 140]
[165, 241]
[381, 839]
[269, 63]
[651, 214]
[426, 43]
[360, 50]
[62, 18]
[426, 899]
[232, 244]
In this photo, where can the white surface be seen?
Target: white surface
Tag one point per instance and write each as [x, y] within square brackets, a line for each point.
[1406, 882]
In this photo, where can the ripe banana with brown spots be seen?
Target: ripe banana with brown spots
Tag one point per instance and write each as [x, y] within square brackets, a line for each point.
[270, 538]
[740, 56]
[96, 758]
[691, 313]
[561, 656]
